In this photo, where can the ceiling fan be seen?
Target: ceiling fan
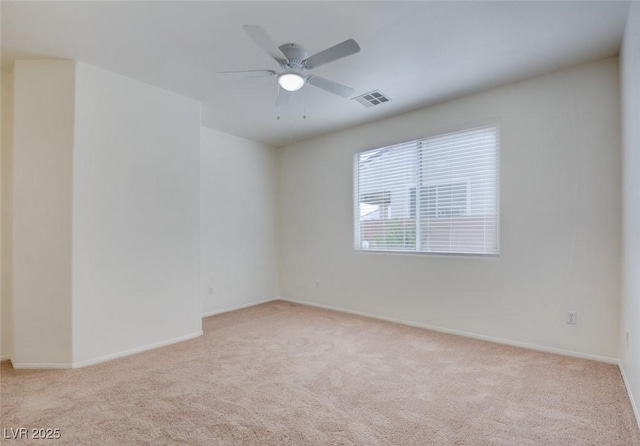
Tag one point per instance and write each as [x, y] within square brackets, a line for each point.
[295, 64]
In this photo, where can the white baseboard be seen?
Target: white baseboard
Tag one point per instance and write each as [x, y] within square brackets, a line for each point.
[77, 365]
[5, 357]
[41, 365]
[634, 406]
[465, 334]
[237, 307]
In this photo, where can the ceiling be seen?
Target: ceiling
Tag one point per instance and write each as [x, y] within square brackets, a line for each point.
[417, 53]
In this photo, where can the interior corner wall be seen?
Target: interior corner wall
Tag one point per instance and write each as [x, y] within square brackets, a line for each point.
[630, 312]
[239, 231]
[560, 220]
[42, 210]
[136, 217]
[6, 262]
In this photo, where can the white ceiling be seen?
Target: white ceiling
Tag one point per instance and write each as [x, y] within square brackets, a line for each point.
[417, 53]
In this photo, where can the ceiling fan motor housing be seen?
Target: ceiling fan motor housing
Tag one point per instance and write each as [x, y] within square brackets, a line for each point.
[295, 55]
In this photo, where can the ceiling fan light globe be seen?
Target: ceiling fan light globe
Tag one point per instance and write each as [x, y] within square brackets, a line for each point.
[291, 81]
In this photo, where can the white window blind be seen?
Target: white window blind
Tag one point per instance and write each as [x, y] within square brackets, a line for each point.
[437, 194]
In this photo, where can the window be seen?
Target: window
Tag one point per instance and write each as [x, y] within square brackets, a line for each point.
[436, 195]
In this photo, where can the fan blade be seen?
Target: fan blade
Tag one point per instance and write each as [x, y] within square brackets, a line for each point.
[245, 74]
[283, 98]
[265, 42]
[344, 49]
[330, 86]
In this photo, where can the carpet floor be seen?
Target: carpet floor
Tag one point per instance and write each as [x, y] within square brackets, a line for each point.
[286, 374]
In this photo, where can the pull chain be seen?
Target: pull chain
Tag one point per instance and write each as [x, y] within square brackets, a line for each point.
[278, 103]
[304, 104]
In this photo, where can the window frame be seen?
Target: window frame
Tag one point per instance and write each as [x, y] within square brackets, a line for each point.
[494, 122]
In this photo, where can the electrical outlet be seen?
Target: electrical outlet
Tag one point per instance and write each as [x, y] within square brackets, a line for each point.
[317, 284]
[572, 317]
[210, 291]
[627, 337]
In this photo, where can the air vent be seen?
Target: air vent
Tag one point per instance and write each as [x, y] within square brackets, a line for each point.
[375, 97]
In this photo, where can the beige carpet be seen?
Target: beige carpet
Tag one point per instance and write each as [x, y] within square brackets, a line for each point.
[284, 374]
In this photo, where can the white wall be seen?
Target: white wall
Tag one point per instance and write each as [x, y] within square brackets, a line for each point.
[106, 227]
[239, 235]
[630, 94]
[42, 203]
[136, 216]
[560, 220]
[6, 156]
